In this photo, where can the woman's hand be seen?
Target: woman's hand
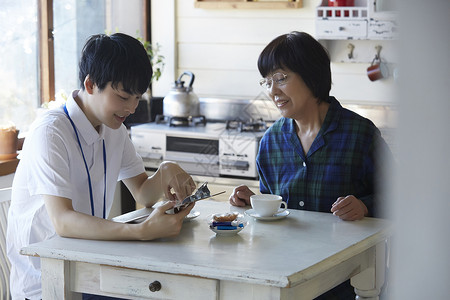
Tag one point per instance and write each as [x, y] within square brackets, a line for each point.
[160, 224]
[240, 196]
[349, 208]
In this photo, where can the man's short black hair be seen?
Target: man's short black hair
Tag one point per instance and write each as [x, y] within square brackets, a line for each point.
[118, 58]
[302, 54]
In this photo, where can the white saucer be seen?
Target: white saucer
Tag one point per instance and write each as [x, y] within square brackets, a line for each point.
[192, 215]
[277, 216]
[226, 232]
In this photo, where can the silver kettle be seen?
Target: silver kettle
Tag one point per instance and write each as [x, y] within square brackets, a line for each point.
[181, 101]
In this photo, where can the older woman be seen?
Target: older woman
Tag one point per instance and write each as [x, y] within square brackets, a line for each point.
[318, 156]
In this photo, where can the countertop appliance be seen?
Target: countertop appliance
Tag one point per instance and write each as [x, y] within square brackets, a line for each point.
[220, 143]
[209, 150]
[182, 101]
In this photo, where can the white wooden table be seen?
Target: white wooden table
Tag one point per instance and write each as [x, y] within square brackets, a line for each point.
[298, 257]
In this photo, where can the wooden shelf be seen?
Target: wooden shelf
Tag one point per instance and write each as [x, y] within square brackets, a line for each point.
[247, 4]
[8, 166]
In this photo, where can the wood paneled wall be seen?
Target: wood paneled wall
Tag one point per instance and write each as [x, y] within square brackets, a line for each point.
[221, 47]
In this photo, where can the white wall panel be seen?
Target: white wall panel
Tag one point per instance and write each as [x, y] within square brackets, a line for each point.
[219, 57]
[221, 47]
[227, 83]
[351, 85]
[237, 30]
[164, 33]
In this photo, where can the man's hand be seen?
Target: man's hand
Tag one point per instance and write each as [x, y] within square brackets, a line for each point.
[160, 224]
[176, 179]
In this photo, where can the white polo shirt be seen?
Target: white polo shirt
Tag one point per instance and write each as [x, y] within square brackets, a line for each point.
[51, 164]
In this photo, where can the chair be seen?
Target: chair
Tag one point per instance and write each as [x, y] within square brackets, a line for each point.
[5, 199]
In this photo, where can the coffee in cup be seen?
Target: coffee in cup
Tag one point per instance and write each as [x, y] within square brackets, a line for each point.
[267, 205]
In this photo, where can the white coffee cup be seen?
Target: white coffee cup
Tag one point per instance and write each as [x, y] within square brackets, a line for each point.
[267, 205]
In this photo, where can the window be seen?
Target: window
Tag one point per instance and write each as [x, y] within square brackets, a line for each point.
[18, 62]
[40, 49]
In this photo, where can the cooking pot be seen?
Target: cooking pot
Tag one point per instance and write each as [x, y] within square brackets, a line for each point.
[181, 101]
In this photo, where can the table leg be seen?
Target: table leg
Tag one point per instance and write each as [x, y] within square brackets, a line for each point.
[368, 283]
[55, 279]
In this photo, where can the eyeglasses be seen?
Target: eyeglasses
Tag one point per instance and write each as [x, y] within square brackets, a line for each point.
[279, 79]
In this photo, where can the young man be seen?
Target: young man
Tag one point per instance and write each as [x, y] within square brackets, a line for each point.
[73, 157]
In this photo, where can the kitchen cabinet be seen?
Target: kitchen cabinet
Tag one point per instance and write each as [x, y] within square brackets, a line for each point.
[248, 4]
[341, 29]
[364, 20]
[358, 33]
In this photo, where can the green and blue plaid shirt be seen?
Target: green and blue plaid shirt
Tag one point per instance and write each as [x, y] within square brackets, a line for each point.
[340, 162]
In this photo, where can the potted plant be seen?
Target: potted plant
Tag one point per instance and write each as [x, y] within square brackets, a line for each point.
[144, 112]
[8, 141]
[12, 114]
[156, 59]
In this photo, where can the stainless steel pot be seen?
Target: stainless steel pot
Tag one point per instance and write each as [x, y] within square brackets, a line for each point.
[182, 101]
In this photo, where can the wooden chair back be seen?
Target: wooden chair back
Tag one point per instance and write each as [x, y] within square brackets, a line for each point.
[5, 200]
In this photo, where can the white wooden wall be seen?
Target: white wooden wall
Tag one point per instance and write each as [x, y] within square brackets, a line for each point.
[221, 47]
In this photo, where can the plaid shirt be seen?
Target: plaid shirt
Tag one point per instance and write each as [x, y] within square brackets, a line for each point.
[340, 162]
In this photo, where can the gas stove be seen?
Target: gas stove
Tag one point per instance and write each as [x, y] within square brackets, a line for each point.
[247, 126]
[222, 142]
[209, 150]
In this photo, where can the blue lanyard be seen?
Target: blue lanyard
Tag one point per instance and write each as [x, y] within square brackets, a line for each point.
[87, 169]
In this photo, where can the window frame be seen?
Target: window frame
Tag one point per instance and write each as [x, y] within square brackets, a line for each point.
[46, 52]
[46, 55]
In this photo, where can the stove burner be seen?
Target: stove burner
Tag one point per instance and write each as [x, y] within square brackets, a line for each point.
[251, 125]
[161, 119]
[181, 121]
